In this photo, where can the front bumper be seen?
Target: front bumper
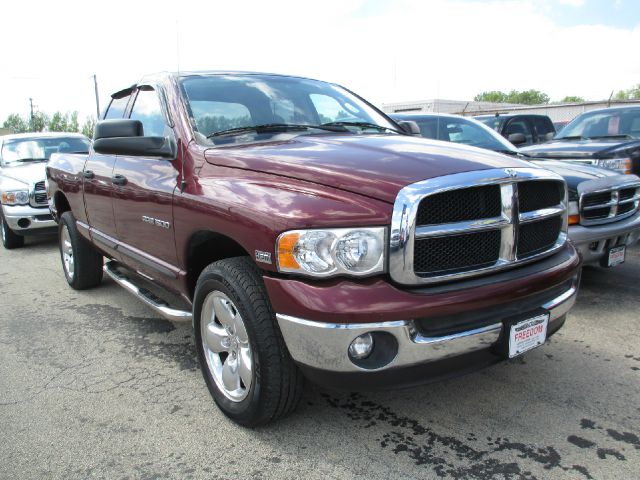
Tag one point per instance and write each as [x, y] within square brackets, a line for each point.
[594, 241]
[25, 219]
[420, 327]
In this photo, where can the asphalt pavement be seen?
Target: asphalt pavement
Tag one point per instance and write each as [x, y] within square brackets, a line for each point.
[94, 385]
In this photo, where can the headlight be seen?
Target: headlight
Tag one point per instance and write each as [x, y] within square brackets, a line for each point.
[16, 197]
[329, 252]
[622, 165]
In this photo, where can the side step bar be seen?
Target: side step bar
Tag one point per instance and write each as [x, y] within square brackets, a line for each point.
[156, 303]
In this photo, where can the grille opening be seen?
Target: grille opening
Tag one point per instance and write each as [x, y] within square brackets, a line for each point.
[593, 199]
[627, 193]
[40, 198]
[626, 208]
[456, 253]
[536, 195]
[596, 213]
[40, 186]
[537, 237]
[460, 205]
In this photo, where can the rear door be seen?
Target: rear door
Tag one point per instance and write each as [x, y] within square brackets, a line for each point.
[98, 186]
[143, 197]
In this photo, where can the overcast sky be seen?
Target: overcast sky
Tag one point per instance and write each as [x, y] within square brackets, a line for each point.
[387, 51]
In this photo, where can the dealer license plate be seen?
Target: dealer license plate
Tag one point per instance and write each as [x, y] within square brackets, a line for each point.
[528, 334]
[616, 256]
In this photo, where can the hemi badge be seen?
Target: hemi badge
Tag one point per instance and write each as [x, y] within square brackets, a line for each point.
[263, 257]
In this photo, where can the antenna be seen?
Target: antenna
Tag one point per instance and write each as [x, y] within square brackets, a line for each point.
[182, 150]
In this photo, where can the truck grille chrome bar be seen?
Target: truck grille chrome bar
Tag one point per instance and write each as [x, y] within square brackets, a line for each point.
[516, 216]
[609, 205]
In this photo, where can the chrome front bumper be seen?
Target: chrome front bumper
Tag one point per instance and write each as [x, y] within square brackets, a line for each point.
[37, 218]
[324, 346]
[592, 241]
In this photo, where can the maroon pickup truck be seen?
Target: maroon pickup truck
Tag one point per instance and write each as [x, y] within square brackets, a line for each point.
[306, 234]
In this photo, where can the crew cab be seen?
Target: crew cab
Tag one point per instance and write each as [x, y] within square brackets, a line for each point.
[24, 210]
[521, 129]
[305, 234]
[607, 137]
[603, 204]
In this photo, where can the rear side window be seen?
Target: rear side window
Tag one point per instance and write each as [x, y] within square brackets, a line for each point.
[147, 109]
[116, 108]
[543, 126]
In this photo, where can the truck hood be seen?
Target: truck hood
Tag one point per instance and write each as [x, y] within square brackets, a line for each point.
[28, 173]
[377, 166]
[579, 149]
[575, 173]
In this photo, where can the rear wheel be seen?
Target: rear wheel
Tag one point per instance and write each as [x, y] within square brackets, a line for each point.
[244, 359]
[10, 239]
[82, 264]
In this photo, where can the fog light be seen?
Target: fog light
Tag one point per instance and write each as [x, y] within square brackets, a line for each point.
[361, 347]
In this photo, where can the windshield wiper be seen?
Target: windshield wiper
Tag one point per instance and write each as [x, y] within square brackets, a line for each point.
[610, 136]
[571, 137]
[274, 127]
[362, 125]
[25, 160]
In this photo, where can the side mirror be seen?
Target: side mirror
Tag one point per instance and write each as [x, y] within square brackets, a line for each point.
[549, 136]
[410, 127]
[125, 137]
[136, 146]
[517, 138]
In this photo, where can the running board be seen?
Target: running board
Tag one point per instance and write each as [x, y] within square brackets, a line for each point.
[152, 300]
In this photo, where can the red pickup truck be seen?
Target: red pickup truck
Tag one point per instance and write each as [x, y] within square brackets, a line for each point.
[306, 234]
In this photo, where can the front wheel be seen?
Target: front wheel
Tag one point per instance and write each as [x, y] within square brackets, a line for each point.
[244, 359]
[10, 239]
[82, 264]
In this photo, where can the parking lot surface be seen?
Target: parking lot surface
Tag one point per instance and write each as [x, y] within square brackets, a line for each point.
[94, 385]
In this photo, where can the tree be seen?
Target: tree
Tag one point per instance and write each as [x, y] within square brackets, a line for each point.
[493, 96]
[631, 94]
[88, 126]
[40, 122]
[527, 97]
[16, 123]
[572, 99]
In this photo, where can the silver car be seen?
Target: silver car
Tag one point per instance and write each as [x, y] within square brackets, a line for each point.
[25, 209]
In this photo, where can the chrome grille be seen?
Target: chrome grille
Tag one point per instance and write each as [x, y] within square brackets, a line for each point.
[39, 195]
[472, 223]
[610, 205]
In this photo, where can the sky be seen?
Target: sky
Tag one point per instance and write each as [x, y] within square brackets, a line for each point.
[386, 51]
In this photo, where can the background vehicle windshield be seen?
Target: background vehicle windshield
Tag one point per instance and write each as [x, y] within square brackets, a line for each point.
[461, 130]
[491, 122]
[40, 149]
[221, 102]
[604, 123]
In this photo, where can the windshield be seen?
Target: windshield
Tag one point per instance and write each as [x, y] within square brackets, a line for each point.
[603, 124]
[463, 130]
[23, 150]
[218, 103]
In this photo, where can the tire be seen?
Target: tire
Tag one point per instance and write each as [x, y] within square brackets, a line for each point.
[10, 239]
[81, 263]
[231, 305]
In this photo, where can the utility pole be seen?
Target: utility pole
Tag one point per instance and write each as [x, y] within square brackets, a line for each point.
[95, 85]
[31, 117]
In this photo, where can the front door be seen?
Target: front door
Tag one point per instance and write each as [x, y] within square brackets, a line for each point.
[143, 198]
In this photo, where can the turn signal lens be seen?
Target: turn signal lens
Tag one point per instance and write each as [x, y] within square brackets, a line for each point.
[286, 245]
[574, 219]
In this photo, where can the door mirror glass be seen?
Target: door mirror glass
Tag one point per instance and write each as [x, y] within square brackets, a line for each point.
[410, 127]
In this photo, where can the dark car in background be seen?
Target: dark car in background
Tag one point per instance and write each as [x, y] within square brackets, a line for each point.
[608, 137]
[603, 205]
[521, 129]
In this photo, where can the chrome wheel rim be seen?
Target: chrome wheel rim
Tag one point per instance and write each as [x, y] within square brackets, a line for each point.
[226, 346]
[67, 252]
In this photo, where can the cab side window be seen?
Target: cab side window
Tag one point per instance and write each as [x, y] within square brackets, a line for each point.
[116, 108]
[519, 125]
[543, 127]
[147, 109]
